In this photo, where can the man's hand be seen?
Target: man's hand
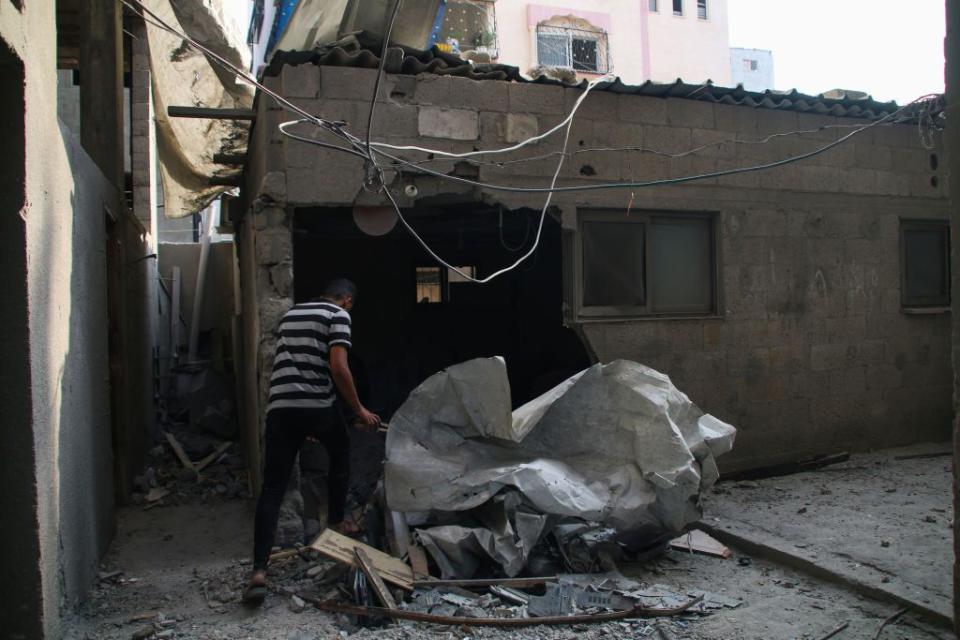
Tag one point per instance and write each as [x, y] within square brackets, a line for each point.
[366, 420]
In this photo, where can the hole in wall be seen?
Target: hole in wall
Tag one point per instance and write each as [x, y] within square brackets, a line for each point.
[587, 170]
[934, 162]
[934, 181]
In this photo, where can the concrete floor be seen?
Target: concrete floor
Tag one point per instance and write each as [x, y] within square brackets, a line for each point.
[185, 558]
[880, 523]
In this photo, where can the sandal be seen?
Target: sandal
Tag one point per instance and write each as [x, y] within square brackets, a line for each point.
[256, 591]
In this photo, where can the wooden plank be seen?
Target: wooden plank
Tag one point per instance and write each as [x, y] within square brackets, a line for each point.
[418, 560]
[223, 446]
[698, 541]
[181, 454]
[516, 583]
[366, 565]
[340, 548]
[214, 114]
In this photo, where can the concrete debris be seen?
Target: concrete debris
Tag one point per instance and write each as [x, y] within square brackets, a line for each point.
[615, 453]
[297, 605]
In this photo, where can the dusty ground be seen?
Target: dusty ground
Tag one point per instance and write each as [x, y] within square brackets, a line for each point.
[885, 520]
[188, 564]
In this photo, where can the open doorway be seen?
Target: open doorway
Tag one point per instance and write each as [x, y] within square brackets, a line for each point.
[414, 317]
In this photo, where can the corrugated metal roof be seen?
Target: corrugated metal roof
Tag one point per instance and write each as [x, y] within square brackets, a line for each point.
[358, 51]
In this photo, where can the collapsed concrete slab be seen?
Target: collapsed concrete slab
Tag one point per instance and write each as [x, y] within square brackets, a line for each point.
[617, 445]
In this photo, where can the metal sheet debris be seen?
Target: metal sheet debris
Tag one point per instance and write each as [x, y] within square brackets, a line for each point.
[617, 445]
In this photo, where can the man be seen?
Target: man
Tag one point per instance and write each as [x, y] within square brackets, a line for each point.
[311, 359]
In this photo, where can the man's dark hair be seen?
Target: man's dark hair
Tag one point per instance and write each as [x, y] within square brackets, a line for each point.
[340, 288]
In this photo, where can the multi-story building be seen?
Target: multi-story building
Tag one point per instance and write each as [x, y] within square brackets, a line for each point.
[637, 41]
[753, 68]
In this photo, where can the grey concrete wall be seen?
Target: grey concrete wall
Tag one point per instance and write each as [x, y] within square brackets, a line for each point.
[809, 352]
[60, 495]
[218, 296]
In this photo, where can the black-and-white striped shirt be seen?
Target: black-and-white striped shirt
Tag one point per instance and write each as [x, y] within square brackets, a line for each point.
[301, 367]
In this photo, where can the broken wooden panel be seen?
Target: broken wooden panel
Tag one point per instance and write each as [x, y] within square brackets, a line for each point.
[342, 549]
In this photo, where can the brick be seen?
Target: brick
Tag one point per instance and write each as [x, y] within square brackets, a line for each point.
[394, 120]
[519, 127]
[453, 124]
[642, 109]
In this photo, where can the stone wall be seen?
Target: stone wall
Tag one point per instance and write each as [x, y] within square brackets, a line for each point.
[809, 352]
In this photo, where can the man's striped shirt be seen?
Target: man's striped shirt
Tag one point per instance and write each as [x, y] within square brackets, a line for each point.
[301, 367]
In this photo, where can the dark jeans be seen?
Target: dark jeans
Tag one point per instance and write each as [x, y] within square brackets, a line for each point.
[286, 430]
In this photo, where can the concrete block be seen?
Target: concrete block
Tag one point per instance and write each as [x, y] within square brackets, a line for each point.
[348, 83]
[492, 128]
[735, 118]
[536, 98]
[401, 89]
[689, 113]
[617, 135]
[271, 309]
[667, 139]
[892, 183]
[434, 90]
[910, 160]
[828, 357]
[855, 180]
[281, 277]
[478, 94]
[273, 187]
[453, 124]
[393, 120]
[873, 156]
[520, 126]
[335, 180]
[719, 144]
[642, 109]
[775, 121]
[598, 105]
[301, 81]
[274, 246]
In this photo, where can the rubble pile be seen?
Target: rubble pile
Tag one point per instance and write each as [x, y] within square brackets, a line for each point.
[167, 480]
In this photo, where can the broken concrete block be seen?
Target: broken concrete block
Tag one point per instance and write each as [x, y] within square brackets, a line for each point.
[297, 605]
[273, 186]
[520, 126]
[452, 124]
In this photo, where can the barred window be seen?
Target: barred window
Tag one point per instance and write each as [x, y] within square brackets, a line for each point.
[467, 25]
[576, 49]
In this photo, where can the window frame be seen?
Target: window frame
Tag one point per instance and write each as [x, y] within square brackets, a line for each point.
[703, 13]
[678, 12]
[600, 38]
[653, 6]
[925, 224]
[646, 311]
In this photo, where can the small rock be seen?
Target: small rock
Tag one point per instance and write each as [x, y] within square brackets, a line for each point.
[744, 561]
[929, 519]
[297, 605]
[884, 543]
[143, 633]
[166, 633]
[316, 570]
[885, 579]
[802, 510]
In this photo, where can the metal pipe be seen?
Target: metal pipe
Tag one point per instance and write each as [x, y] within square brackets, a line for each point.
[206, 232]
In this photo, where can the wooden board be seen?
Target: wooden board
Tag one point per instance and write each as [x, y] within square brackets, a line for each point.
[514, 583]
[366, 565]
[696, 540]
[418, 560]
[181, 454]
[341, 548]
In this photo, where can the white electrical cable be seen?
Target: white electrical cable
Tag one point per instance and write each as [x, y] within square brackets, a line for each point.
[543, 212]
[484, 152]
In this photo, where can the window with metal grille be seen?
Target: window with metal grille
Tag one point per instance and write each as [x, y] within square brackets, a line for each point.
[924, 263]
[647, 263]
[702, 9]
[467, 25]
[678, 7]
[575, 49]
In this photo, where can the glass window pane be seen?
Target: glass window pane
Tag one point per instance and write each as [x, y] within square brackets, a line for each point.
[553, 50]
[678, 7]
[613, 271]
[680, 272]
[926, 264]
[428, 285]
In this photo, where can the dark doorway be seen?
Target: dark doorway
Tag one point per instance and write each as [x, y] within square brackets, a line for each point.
[415, 318]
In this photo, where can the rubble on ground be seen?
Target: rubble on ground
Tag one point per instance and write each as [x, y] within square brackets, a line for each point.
[614, 458]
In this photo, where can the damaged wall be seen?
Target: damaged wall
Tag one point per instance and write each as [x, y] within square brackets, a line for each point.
[808, 351]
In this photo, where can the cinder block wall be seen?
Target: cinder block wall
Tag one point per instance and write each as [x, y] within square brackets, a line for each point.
[810, 351]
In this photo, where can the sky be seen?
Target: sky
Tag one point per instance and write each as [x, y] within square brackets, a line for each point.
[891, 49]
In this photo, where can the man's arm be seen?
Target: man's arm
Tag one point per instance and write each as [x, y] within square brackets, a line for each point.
[343, 378]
